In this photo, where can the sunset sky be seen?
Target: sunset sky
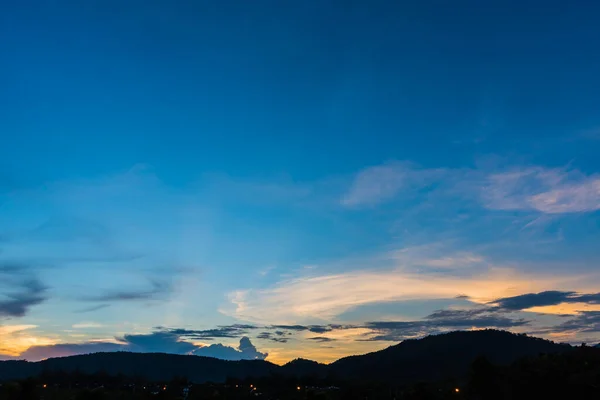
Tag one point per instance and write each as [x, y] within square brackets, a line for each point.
[275, 179]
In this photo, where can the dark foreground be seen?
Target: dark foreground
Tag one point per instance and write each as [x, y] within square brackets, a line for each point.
[571, 375]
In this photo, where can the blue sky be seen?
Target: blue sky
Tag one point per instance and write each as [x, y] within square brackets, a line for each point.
[322, 178]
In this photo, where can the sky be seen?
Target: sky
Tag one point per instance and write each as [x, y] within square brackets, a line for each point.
[273, 180]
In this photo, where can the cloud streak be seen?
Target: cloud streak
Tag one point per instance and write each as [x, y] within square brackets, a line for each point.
[529, 188]
[19, 290]
[381, 183]
[550, 191]
[327, 296]
[158, 290]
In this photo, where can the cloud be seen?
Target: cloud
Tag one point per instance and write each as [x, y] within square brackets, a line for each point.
[92, 309]
[290, 327]
[586, 321]
[86, 325]
[326, 296]
[155, 342]
[375, 184]
[322, 339]
[546, 190]
[158, 290]
[163, 342]
[245, 351]
[223, 331]
[547, 298]
[380, 183]
[20, 296]
[270, 336]
[439, 321]
[530, 188]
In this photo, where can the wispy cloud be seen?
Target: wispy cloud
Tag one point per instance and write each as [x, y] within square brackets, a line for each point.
[529, 188]
[92, 309]
[586, 321]
[323, 297]
[87, 325]
[380, 183]
[551, 191]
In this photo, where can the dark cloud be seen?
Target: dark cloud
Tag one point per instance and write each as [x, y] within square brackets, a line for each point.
[310, 328]
[245, 351]
[223, 331]
[440, 321]
[321, 339]
[444, 315]
[586, 321]
[93, 308]
[396, 331]
[156, 342]
[589, 298]
[320, 328]
[275, 333]
[19, 290]
[290, 327]
[269, 336]
[548, 298]
[158, 289]
[27, 295]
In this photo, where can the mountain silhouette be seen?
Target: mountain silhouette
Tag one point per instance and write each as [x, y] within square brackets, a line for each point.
[304, 368]
[445, 356]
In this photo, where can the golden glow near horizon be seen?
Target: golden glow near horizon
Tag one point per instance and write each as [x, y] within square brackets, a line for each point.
[564, 308]
[15, 339]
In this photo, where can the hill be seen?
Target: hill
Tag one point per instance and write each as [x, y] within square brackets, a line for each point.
[304, 368]
[151, 366]
[446, 356]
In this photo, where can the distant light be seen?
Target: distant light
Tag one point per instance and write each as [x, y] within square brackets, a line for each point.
[164, 388]
[298, 388]
[457, 390]
[236, 385]
[45, 386]
[251, 385]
